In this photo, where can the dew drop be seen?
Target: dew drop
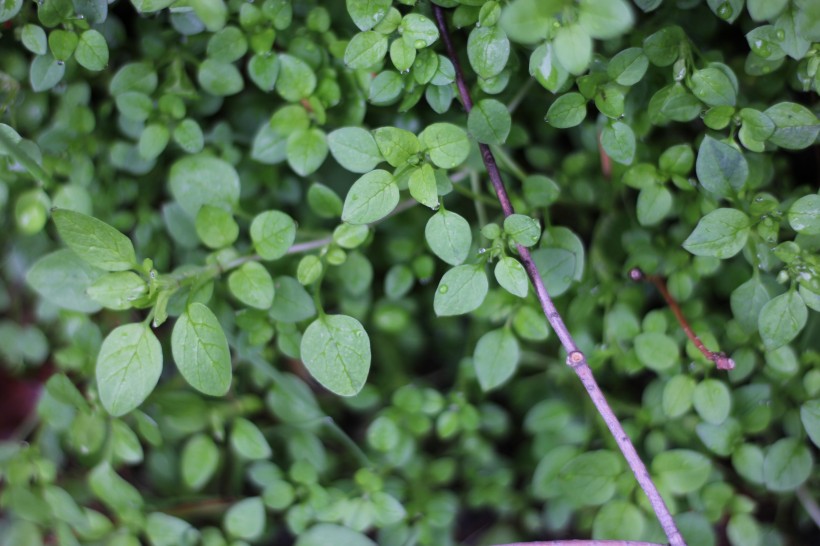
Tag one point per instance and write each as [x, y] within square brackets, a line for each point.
[420, 44]
[725, 11]
[781, 34]
[443, 289]
[482, 250]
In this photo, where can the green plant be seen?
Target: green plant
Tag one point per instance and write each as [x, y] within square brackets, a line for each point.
[365, 346]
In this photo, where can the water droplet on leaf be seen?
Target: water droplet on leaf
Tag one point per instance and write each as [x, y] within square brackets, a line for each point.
[725, 11]
[443, 289]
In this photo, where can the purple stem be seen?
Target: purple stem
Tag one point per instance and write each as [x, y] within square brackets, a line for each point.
[584, 543]
[575, 359]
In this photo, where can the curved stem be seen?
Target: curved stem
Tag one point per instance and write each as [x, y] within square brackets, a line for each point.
[576, 359]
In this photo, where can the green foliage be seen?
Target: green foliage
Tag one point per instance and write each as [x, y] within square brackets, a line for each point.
[260, 285]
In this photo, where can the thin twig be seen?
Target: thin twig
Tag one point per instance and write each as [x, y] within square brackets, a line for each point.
[809, 504]
[575, 359]
[721, 360]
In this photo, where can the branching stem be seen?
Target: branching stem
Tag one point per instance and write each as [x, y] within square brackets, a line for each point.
[576, 358]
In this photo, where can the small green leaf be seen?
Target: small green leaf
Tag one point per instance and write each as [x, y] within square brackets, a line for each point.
[292, 302]
[34, 39]
[461, 290]
[489, 122]
[252, 285]
[546, 69]
[787, 465]
[9, 8]
[396, 145]
[422, 186]
[618, 142]
[199, 461]
[810, 416]
[263, 69]
[128, 367]
[92, 51]
[355, 149]
[418, 30]
[372, 197]
[567, 111]
[45, 73]
[628, 67]
[365, 50]
[296, 80]
[385, 88]
[804, 215]
[654, 204]
[605, 19]
[657, 351]
[590, 478]
[227, 45]
[118, 290]
[796, 126]
[621, 519]
[203, 180]
[557, 267]
[336, 352]
[677, 396]
[748, 462]
[511, 275]
[63, 278]
[781, 319]
[164, 530]
[113, 490]
[216, 227]
[747, 300]
[402, 55]
[248, 441]
[220, 78]
[153, 140]
[272, 233]
[522, 229]
[712, 401]
[245, 520]
[201, 352]
[446, 144]
[721, 168]
[496, 358]
[488, 50]
[326, 533]
[573, 48]
[682, 471]
[307, 150]
[449, 236]
[95, 241]
[324, 201]
[722, 233]
[367, 13]
[188, 134]
[713, 86]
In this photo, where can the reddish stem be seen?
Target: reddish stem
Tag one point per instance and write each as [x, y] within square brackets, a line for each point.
[575, 359]
[721, 360]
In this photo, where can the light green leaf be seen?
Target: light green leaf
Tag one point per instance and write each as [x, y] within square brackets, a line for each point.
[402, 55]
[34, 39]
[461, 290]
[567, 111]
[307, 150]
[365, 50]
[422, 186]
[722, 233]
[511, 275]
[95, 241]
[198, 180]
[220, 78]
[9, 8]
[621, 519]
[590, 478]
[522, 229]
[113, 490]
[272, 233]
[396, 145]
[323, 534]
[153, 140]
[263, 69]
[63, 278]
[45, 73]
[573, 48]
[252, 285]
[764, 10]
[488, 50]
[797, 126]
[526, 21]
[495, 358]
[385, 88]
[677, 395]
[788, 464]
[557, 267]
[721, 168]
[449, 236]
[446, 144]
[296, 80]
[188, 134]
[713, 86]
[201, 352]
[682, 471]
[324, 201]
[628, 67]
[654, 204]
[367, 13]
[355, 149]
[216, 227]
[618, 142]
[372, 197]
[546, 69]
[246, 519]
[336, 352]
[747, 300]
[128, 367]
[605, 19]
[712, 401]
[748, 462]
[248, 441]
[164, 530]
[118, 290]
[92, 50]
[199, 461]
[804, 215]
[810, 416]
[489, 122]
[781, 319]
[227, 45]
[418, 30]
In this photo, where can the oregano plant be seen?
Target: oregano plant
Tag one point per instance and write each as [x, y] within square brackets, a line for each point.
[409, 273]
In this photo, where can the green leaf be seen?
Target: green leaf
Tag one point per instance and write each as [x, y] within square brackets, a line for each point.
[567, 111]
[263, 69]
[446, 144]
[216, 227]
[590, 478]
[248, 441]
[605, 19]
[386, 88]
[372, 197]
[34, 39]
[713, 86]
[63, 278]
[252, 285]
[449, 236]
[272, 233]
[402, 55]
[327, 533]
[422, 186]
[546, 69]
[628, 67]
[219, 78]
[722, 233]
[663, 47]
[522, 229]
[418, 30]
[292, 302]
[796, 126]
[336, 352]
[526, 21]
[45, 73]
[489, 122]
[118, 290]
[62, 44]
[296, 80]
[367, 13]
[188, 135]
[748, 462]
[488, 50]
[396, 145]
[787, 465]
[365, 50]
[128, 367]
[557, 267]
[307, 150]
[199, 461]
[496, 358]
[781, 319]
[201, 352]
[9, 8]
[355, 149]
[512, 277]
[246, 519]
[810, 416]
[677, 159]
[657, 351]
[712, 401]
[324, 201]
[804, 215]
[461, 290]
[198, 180]
[764, 10]
[164, 530]
[621, 519]
[747, 300]
[227, 45]
[573, 48]
[95, 241]
[721, 168]
[654, 204]
[92, 51]
[618, 142]
[677, 396]
[113, 490]
[682, 471]
[153, 140]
